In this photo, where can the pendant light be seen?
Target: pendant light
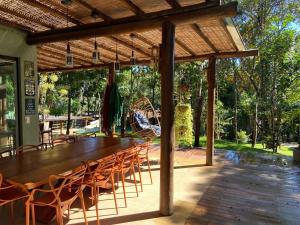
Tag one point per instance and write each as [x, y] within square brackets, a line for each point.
[154, 53]
[117, 62]
[69, 55]
[96, 53]
[132, 58]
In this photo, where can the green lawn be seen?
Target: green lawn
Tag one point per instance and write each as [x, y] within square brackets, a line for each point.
[228, 145]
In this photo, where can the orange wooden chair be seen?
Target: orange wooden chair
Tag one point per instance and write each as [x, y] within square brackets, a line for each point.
[126, 161]
[64, 190]
[10, 193]
[143, 156]
[101, 174]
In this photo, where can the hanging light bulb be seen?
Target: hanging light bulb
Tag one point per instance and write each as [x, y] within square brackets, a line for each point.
[69, 56]
[132, 58]
[154, 59]
[96, 53]
[117, 62]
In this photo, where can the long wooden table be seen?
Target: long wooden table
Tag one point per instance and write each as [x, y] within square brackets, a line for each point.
[32, 169]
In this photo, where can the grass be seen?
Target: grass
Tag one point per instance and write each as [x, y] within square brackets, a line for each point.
[228, 145]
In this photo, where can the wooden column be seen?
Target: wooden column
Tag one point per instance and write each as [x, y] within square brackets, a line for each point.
[211, 85]
[167, 118]
[111, 80]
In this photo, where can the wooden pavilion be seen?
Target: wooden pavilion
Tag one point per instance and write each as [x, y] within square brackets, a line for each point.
[183, 30]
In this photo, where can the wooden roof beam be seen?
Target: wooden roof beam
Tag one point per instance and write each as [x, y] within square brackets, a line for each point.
[184, 15]
[174, 4]
[129, 45]
[25, 17]
[198, 30]
[134, 8]
[95, 10]
[222, 55]
[50, 10]
[57, 55]
[185, 47]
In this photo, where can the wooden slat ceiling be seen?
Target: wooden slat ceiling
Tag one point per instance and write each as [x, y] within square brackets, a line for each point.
[194, 40]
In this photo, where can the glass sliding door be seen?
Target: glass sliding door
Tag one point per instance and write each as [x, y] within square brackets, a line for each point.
[8, 104]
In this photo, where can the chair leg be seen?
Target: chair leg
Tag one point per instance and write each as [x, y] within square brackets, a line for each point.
[27, 213]
[123, 185]
[140, 175]
[134, 178]
[149, 169]
[83, 206]
[97, 210]
[114, 193]
[11, 212]
[68, 212]
[33, 214]
[59, 218]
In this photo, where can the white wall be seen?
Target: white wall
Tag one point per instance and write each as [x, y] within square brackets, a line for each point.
[13, 44]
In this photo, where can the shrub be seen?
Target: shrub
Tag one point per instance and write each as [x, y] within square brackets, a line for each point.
[242, 136]
[184, 125]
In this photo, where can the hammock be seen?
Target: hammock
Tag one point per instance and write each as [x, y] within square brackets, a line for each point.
[144, 120]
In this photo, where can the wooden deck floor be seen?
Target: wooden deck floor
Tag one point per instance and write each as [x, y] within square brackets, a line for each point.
[224, 194]
[250, 195]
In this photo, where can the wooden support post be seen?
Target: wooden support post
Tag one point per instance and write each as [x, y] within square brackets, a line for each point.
[211, 80]
[111, 80]
[167, 118]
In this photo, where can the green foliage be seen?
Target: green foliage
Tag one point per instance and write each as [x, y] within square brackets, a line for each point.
[184, 125]
[242, 137]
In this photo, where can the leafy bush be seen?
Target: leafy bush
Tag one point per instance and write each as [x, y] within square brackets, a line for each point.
[242, 136]
[184, 125]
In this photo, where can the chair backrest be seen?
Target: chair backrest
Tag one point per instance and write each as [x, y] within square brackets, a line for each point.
[71, 183]
[103, 166]
[128, 156]
[1, 179]
[26, 148]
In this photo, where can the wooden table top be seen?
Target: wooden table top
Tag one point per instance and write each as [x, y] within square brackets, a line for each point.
[33, 168]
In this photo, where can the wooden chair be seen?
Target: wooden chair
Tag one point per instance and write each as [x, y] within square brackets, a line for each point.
[143, 156]
[64, 190]
[10, 193]
[126, 161]
[48, 132]
[28, 148]
[63, 139]
[101, 174]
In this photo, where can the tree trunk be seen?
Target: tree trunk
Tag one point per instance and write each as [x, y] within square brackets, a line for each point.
[235, 120]
[88, 106]
[69, 114]
[254, 126]
[198, 112]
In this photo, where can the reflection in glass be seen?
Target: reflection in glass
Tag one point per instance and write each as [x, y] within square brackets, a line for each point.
[7, 104]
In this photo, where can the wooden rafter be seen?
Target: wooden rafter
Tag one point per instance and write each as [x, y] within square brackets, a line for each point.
[134, 8]
[185, 47]
[185, 15]
[129, 45]
[49, 10]
[174, 4]
[75, 53]
[61, 56]
[95, 10]
[25, 17]
[5, 22]
[198, 30]
[247, 53]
